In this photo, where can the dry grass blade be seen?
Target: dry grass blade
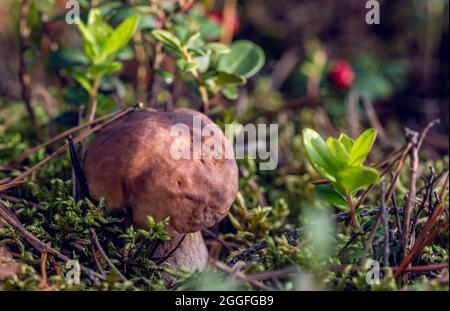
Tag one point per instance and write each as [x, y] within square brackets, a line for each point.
[22, 177]
[59, 137]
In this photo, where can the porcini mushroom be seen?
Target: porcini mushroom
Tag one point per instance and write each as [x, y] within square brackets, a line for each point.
[129, 163]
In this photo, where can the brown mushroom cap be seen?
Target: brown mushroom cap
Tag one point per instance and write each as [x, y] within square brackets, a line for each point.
[129, 164]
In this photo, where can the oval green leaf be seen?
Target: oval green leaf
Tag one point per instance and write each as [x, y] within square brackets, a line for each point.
[245, 59]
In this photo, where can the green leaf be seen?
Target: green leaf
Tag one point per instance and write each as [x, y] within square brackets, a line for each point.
[100, 29]
[83, 81]
[120, 36]
[166, 75]
[338, 151]
[67, 58]
[362, 147]
[224, 78]
[245, 59]
[191, 40]
[230, 92]
[218, 48]
[127, 53]
[185, 66]
[76, 95]
[203, 63]
[209, 29]
[168, 39]
[346, 141]
[99, 71]
[318, 154]
[90, 44]
[355, 178]
[329, 195]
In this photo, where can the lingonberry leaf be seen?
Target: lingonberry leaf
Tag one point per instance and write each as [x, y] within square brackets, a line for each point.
[168, 39]
[362, 147]
[318, 154]
[120, 36]
[328, 194]
[346, 141]
[355, 178]
[338, 152]
[245, 59]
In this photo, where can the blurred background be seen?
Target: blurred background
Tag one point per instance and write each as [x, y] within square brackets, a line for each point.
[400, 66]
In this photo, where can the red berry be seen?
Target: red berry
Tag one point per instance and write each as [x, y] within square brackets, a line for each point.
[216, 16]
[341, 74]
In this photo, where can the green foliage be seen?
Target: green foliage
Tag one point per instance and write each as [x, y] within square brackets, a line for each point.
[214, 66]
[67, 224]
[245, 59]
[378, 79]
[101, 46]
[341, 161]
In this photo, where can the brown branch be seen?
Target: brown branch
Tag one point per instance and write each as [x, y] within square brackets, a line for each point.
[21, 201]
[390, 192]
[239, 276]
[375, 123]
[229, 17]
[105, 256]
[416, 269]
[352, 112]
[411, 201]
[160, 260]
[385, 219]
[43, 282]
[24, 77]
[22, 177]
[417, 141]
[60, 136]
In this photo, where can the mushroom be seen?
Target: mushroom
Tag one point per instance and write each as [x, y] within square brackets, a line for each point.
[129, 163]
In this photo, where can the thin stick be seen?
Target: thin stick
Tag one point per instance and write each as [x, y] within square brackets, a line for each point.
[391, 190]
[105, 257]
[21, 178]
[43, 282]
[352, 112]
[240, 276]
[349, 199]
[97, 263]
[385, 219]
[411, 201]
[21, 201]
[416, 269]
[80, 178]
[397, 213]
[24, 77]
[375, 122]
[229, 17]
[61, 136]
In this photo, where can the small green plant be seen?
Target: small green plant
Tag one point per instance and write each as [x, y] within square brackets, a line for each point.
[341, 162]
[213, 67]
[102, 45]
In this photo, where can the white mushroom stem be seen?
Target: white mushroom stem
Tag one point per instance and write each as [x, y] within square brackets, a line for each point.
[187, 252]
